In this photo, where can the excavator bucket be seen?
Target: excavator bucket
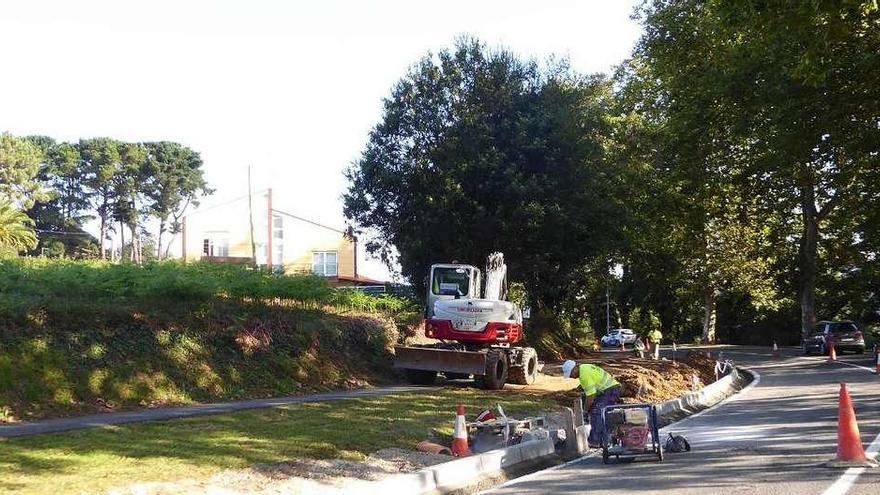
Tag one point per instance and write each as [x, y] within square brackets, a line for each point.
[431, 359]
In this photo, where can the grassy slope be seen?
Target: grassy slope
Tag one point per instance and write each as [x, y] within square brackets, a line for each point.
[79, 337]
[92, 461]
[74, 361]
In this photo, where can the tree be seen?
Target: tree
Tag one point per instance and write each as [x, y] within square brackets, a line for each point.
[174, 182]
[478, 151]
[128, 186]
[784, 92]
[16, 231]
[101, 159]
[19, 164]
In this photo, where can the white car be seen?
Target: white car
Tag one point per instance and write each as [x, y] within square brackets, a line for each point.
[614, 336]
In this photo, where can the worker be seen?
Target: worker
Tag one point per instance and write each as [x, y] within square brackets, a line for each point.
[655, 336]
[639, 348]
[600, 390]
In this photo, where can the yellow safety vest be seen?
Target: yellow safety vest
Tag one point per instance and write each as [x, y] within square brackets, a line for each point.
[595, 380]
[655, 336]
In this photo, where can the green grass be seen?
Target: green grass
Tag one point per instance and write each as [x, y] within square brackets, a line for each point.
[26, 282]
[78, 335]
[92, 461]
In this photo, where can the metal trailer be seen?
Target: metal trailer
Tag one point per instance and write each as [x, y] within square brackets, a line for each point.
[631, 431]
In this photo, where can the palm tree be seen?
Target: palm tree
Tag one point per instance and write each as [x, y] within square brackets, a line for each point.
[16, 230]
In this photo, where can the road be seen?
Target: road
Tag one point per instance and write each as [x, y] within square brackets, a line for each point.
[770, 439]
[162, 414]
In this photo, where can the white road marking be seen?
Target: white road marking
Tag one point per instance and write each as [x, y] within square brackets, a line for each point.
[523, 479]
[849, 477]
[855, 366]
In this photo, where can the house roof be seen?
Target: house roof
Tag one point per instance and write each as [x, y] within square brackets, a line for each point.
[360, 280]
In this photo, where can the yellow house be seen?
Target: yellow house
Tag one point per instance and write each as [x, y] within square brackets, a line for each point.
[240, 230]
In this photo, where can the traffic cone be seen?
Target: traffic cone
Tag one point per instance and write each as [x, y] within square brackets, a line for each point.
[459, 436]
[776, 354]
[850, 451]
[832, 356]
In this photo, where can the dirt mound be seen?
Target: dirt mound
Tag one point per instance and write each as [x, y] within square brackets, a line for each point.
[641, 380]
[652, 381]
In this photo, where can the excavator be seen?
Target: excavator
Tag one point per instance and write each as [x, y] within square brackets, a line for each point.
[478, 336]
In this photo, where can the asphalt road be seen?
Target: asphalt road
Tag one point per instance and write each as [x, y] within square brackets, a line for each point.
[770, 439]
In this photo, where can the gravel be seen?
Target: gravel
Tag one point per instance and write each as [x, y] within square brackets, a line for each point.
[306, 476]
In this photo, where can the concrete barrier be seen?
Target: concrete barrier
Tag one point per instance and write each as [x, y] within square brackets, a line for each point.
[705, 397]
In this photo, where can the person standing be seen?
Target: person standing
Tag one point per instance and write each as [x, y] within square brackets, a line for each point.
[655, 337]
[600, 389]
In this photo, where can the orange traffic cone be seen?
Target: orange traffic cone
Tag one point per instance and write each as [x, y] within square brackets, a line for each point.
[776, 354]
[832, 356]
[459, 436]
[850, 451]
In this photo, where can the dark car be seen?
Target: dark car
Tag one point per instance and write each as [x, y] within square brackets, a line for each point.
[843, 335]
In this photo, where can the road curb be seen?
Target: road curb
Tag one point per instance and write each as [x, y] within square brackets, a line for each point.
[705, 397]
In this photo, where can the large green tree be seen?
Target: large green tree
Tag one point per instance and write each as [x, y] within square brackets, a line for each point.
[101, 164]
[479, 151]
[19, 165]
[129, 185]
[691, 233]
[784, 92]
[174, 182]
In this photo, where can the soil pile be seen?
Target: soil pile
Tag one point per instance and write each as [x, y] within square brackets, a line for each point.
[641, 380]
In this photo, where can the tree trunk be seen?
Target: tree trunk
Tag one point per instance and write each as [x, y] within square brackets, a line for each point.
[808, 254]
[159, 238]
[709, 316]
[122, 241]
[135, 244]
[102, 234]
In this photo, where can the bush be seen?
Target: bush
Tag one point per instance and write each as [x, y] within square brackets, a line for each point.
[51, 280]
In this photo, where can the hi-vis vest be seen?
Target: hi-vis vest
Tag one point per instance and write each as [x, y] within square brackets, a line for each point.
[594, 380]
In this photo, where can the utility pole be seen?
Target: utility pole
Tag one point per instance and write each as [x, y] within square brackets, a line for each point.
[269, 263]
[607, 306]
[251, 218]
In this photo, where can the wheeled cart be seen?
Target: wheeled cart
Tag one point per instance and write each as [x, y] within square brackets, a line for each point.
[631, 431]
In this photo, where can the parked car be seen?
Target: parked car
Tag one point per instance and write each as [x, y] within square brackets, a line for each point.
[615, 335]
[844, 335]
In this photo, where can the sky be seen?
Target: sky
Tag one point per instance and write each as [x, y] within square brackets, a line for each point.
[289, 88]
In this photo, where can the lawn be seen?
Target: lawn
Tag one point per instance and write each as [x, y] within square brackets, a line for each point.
[93, 461]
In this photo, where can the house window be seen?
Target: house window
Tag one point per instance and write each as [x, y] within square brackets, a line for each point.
[215, 246]
[222, 247]
[277, 227]
[324, 263]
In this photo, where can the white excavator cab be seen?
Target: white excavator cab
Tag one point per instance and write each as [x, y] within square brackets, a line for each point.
[452, 281]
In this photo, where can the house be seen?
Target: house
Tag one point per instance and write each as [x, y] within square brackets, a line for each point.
[248, 230]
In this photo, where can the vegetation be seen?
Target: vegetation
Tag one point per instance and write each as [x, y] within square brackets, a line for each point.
[94, 461]
[729, 170]
[61, 185]
[82, 336]
[458, 168]
[16, 232]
